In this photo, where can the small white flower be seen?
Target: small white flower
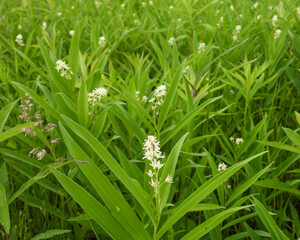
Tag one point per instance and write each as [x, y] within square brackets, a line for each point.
[156, 164]
[232, 7]
[201, 47]
[153, 184]
[255, 5]
[44, 25]
[102, 41]
[63, 69]
[270, 8]
[97, 4]
[136, 22]
[123, 5]
[144, 99]
[171, 7]
[231, 139]
[150, 3]
[171, 41]
[137, 93]
[186, 69]
[258, 17]
[143, 4]
[298, 14]
[150, 173]
[274, 20]
[19, 40]
[277, 34]
[59, 14]
[72, 7]
[169, 179]
[179, 19]
[96, 95]
[72, 33]
[238, 141]
[222, 167]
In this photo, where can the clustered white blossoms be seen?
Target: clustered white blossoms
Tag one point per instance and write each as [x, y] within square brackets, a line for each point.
[236, 32]
[201, 47]
[277, 34]
[19, 40]
[44, 25]
[63, 69]
[171, 41]
[255, 5]
[102, 41]
[237, 140]
[158, 97]
[222, 167]
[274, 20]
[153, 154]
[137, 96]
[72, 33]
[220, 22]
[96, 95]
[186, 69]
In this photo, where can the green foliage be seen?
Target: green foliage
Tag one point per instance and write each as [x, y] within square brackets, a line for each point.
[217, 84]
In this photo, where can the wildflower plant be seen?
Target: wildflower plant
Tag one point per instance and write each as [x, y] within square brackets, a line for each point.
[64, 69]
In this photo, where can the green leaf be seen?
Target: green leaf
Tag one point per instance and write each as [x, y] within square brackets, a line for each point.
[244, 186]
[4, 114]
[74, 54]
[293, 136]
[297, 117]
[50, 233]
[113, 198]
[169, 99]
[92, 207]
[210, 224]
[169, 168]
[268, 221]
[132, 185]
[14, 131]
[253, 235]
[281, 146]
[4, 212]
[269, 183]
[83, 110]
[202, 192]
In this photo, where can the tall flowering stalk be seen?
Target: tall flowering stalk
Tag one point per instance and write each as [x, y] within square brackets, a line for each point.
[153, 154]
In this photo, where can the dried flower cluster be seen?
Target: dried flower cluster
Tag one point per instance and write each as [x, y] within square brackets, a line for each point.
[153, 154]
[64, 69]
[27, 116]
[19, 40]
[96, 96]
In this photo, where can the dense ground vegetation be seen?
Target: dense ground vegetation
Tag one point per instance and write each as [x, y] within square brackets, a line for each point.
[149, 120]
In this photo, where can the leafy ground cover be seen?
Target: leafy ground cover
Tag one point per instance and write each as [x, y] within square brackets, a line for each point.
[149, 120]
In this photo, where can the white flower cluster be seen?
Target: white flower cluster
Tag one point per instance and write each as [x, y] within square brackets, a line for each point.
[186, 69]
[222, 167]
[277, 34]
[255, 5]
[44, 25]
[19, 40]
[72, 33]
[220, 22]
[171, 41]
[102, 41]
[153, 154]
[39, 154]
[201, 47]
[159, 94]
[274, 20]
[237, 140]
[144, 98]
[63, 69]
[96, 95]
[236, 32]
